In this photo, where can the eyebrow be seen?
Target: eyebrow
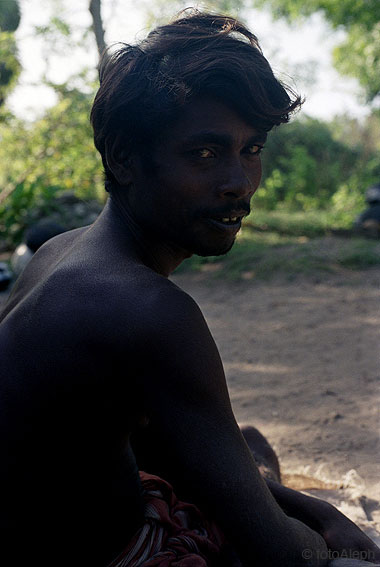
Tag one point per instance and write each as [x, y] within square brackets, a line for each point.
[209, 136]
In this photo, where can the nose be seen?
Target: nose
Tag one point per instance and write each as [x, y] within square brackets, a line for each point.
[238, 182]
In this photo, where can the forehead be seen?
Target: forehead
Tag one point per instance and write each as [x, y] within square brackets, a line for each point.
[204, 116]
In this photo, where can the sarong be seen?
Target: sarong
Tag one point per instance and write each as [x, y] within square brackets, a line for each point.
[174, 534]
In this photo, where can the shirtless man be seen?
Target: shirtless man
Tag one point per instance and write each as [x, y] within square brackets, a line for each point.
[96, 341]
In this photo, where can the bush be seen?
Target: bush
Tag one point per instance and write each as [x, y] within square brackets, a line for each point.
[42, 160]
[307, 166]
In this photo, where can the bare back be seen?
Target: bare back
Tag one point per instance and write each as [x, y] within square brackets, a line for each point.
[70, 398]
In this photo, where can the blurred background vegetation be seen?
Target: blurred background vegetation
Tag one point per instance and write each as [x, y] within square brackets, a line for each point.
[315, 171]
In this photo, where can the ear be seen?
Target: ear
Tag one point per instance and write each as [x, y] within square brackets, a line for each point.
[119, 163]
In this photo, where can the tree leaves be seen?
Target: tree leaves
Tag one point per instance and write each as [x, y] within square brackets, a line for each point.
[9, 63]
[308, 162]
[48, 157]
[9, 15]
[359, 55]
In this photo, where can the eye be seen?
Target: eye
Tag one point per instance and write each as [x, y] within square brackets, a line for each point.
[254, 150]
[203, 153]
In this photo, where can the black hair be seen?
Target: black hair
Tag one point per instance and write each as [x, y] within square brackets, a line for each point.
[144, 86]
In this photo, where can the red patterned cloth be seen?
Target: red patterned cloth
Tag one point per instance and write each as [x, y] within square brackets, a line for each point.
[175, 533]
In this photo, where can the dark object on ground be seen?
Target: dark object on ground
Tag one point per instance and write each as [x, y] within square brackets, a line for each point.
[35, 237]
[5, 276]
[39, 233]
[372, 195]
[67, 210]
[265, 457]
[368, 222]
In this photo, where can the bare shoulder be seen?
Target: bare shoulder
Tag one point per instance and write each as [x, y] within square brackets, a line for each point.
[81, 296]
[156, 308]
[38, 272]
[167, 305]
[176, 343]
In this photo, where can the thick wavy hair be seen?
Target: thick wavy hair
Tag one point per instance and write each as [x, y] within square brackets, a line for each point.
[143, 87]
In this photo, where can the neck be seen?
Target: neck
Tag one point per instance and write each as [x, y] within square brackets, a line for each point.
[157, 254]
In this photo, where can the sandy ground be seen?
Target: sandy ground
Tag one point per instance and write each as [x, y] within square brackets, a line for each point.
[302, 365]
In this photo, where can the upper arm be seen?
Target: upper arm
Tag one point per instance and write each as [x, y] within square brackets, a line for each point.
[192, 426]
[183, 370]
[196, 442]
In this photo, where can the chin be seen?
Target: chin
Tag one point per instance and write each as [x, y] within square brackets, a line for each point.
[211, 249]
[202, 245]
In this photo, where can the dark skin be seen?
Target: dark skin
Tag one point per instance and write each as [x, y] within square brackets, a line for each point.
[108, 344]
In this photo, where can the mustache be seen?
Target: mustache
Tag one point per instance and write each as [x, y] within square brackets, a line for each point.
[236, 210]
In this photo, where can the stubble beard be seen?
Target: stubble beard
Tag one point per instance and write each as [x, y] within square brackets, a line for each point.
[204, 249]
[195, 242]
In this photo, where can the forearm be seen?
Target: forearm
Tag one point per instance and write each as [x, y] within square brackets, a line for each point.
[223, 480]
[262, 535]
[311, 511]
[231, 489]
[338, 531]
[204, 455]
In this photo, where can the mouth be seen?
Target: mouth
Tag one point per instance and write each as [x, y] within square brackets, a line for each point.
[230, 223]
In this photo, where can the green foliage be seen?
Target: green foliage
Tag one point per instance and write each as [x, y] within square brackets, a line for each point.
[359, 55]
[9, 15]
[364, 136]
[14, 214]
[39, 161]
[61, 35]
[309, 165]
[56, 34]
[52, 31]
[9, 63]
[347, 203]
[338, 12]
[308, 224]
[54, 154]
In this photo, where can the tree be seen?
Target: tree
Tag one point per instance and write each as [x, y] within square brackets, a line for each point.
[359, 54]
[9, 64]
[97, 25]
[54, 154]
[311, 164]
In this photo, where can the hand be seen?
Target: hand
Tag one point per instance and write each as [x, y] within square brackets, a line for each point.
[340, 534]
[343, 536]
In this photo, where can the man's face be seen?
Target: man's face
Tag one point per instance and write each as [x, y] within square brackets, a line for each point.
[206, 167]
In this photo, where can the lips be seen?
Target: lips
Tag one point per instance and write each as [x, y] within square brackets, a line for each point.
[230, 221]
[225, 224]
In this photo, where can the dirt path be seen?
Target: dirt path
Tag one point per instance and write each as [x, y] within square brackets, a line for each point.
[302, 364]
